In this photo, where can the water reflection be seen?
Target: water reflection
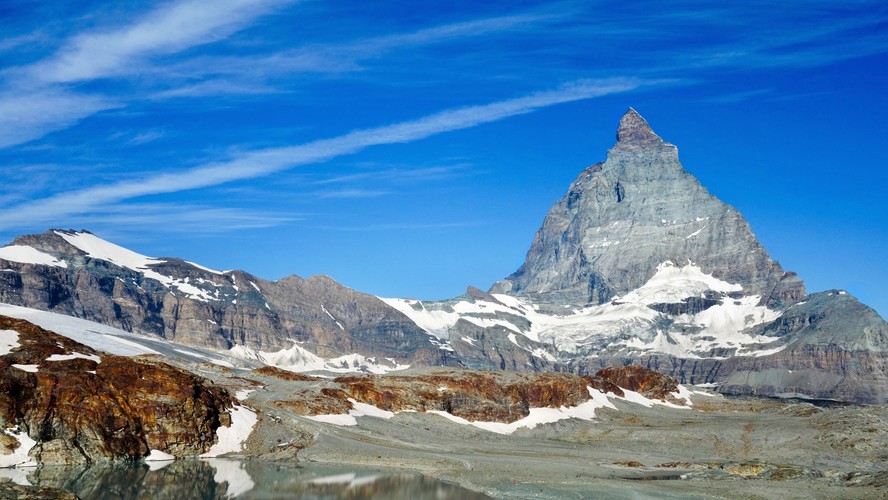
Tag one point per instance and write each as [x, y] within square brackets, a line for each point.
[224, 479]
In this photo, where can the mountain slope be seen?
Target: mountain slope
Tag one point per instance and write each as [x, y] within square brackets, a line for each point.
[81, 275]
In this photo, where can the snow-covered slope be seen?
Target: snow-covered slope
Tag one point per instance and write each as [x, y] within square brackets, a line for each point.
[123, 343]
[638, 323]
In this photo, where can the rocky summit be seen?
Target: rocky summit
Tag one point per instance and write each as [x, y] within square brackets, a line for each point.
[623, 218]
[637, 264]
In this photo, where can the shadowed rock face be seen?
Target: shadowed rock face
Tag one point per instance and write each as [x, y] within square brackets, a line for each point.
[623, 217]
[80, 410]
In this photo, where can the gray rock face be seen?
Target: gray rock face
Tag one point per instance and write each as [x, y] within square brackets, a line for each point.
[837, 348]
[623, 217]
[188, 304]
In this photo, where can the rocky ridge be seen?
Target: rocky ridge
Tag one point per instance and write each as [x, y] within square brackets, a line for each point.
[78, 274]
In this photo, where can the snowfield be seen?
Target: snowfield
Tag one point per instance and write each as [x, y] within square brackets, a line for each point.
[626, 322]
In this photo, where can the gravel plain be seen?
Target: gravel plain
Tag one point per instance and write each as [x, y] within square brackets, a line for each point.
[723, 447]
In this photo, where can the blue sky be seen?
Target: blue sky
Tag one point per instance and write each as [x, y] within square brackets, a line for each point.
[411, 149]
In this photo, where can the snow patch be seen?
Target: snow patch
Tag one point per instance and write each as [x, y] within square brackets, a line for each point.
[672, 284]
[437, 322]
[19, 457]
[98, 248]
[66, 357]
[233, 473]
[298, 359]
[207, 269]
[243, 393]
[350, 419]
[695, 233]
[159, 456]
[8, 341]
[543, 354]
[636, 398]
[27, 368]
[24, 254]
[231, 439]
[331, 317]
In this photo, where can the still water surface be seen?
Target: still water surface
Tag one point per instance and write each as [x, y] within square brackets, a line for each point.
[228, 478]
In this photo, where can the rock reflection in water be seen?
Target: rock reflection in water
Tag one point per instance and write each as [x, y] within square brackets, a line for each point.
[224, 479]
[176, 480]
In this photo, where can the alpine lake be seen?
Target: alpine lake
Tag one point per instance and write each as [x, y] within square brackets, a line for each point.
[222, 478]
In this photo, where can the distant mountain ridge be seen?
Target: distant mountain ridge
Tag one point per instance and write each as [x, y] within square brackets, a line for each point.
[79, 274]
[636, 264]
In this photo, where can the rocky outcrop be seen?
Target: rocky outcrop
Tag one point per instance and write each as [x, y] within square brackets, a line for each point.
[624, 217]
[81, 405]
[651, 384]
[497, 396]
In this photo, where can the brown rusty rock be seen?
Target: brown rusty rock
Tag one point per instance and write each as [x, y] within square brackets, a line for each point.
[642, 380]
[603, 385]
[328, 402]
[120, 408]
[484, 396]
[271, 371]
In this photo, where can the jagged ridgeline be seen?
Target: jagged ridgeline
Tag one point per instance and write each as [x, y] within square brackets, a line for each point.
[637, 264]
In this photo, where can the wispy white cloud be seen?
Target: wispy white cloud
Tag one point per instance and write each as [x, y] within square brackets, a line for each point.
[735, 97]
[146, 137]
[37, 101]
[28, 115]
[177, 218]
[168, 29]
[397, 175]
[405, 226]
[350, 193]
[267, 161]
[231, 74]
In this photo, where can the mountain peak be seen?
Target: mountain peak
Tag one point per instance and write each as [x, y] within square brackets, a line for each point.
[634, 130]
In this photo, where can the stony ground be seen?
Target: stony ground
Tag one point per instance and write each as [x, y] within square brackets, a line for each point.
[722, 448]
